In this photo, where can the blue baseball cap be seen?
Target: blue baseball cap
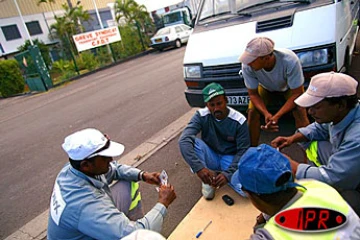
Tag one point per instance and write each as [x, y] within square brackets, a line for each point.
[260, 169]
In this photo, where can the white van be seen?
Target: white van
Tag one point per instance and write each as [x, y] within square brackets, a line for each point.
[321, 32]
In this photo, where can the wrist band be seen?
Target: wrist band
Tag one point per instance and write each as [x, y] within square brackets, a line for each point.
[141, 176]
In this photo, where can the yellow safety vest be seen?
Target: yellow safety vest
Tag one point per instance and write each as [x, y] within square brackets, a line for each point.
[311, 153]
[318, 194]
[135, 195]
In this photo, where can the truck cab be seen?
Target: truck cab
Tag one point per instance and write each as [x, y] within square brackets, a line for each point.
[178, 16]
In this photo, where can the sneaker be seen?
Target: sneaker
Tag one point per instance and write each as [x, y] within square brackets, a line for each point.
[207, 191]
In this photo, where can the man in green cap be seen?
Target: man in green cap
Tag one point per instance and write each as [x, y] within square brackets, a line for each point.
[224, 139]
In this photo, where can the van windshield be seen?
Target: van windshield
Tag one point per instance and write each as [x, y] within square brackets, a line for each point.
[217, 8]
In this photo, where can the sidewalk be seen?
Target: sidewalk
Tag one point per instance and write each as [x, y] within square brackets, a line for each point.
[36, 228]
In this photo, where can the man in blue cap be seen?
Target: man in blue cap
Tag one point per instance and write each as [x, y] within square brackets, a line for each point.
[224, 139]
[308, 209]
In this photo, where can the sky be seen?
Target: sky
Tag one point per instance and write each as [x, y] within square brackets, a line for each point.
[152, 5]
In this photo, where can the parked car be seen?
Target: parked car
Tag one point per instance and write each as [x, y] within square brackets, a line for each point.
[171, 36]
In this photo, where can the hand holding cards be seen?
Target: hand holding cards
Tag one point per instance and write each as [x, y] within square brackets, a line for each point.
[166, 191]
[163, 179]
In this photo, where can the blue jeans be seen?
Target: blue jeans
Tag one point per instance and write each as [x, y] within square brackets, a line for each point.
[215, 161]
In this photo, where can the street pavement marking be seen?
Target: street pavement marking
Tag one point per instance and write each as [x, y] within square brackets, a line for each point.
[36, 228]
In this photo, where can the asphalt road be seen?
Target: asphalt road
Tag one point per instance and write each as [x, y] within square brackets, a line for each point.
[130, 102]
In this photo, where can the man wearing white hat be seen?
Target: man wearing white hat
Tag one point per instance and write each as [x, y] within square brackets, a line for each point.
[333, 140]
[271, 74]
[83, 206]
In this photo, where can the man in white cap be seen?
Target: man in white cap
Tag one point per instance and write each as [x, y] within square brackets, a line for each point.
[271, 74]
[333, 140]
[82, 204]
[143, 234]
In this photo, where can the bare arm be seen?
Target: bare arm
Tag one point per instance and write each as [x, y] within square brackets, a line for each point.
[289, 104]
[281, 142]
[258, 102]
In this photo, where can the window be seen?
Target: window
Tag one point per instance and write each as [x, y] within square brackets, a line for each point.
[11, 32]
[34, 28]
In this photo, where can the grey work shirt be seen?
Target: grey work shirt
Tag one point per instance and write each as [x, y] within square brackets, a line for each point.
[82, 207]
[287, 73]
[229, 136]
[343, 168]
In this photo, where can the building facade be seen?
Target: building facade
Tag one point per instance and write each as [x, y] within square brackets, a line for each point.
[37, 19]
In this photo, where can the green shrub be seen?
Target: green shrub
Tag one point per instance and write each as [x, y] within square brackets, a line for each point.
[103, 55]
[89, 60]
[11, 79]
[62, 66]
[65, 68]
[67, 75]
[80, 63]
[130, 42]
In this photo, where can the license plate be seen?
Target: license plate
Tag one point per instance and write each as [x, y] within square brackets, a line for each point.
[158, 40]
[238, 100]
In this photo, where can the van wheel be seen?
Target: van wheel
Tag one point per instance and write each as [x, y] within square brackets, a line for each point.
[177, 43]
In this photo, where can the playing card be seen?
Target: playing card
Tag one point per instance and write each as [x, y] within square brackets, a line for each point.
[163, 179]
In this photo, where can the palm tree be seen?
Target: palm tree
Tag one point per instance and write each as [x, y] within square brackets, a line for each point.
[68, 25]
[132, 12]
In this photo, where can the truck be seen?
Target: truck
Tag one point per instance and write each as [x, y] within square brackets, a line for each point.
[321, 32]
[181, 15]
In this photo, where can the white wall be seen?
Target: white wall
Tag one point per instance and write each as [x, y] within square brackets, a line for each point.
[12, 45]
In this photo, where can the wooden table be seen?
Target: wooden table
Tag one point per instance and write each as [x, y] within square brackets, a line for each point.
[228, 222]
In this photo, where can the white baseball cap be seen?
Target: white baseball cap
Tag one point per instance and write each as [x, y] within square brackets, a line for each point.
[89, 143]
[143, 234]
[325, 85]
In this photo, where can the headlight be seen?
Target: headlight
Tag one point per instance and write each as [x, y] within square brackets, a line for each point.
[313, 58]
[192, 71]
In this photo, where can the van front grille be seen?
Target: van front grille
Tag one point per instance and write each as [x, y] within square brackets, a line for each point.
[231, 70]
[227, 75]
[274, 24]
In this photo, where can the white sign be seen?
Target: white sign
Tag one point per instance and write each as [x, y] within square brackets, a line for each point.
[88, 40]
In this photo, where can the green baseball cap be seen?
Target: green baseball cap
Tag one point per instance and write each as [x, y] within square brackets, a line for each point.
[212, 90]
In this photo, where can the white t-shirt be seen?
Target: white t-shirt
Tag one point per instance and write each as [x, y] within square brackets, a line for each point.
[287, 73]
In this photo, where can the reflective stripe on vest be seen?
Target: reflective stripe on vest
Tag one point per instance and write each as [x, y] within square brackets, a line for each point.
[321, 195]
[135, 195]
[311, 153]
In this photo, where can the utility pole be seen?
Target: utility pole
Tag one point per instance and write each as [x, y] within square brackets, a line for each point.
[22, 20]
[102, 27]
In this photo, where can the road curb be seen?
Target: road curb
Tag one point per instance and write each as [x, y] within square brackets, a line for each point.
[36, 228]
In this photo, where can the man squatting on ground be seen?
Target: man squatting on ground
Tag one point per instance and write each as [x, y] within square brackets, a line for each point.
[332, 142]
[83, 206]
[269, 74]
[224, 139]
[266, 178]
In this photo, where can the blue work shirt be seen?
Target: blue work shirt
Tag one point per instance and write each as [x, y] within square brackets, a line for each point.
[82, 207]
[343, 168]
[229, 136]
